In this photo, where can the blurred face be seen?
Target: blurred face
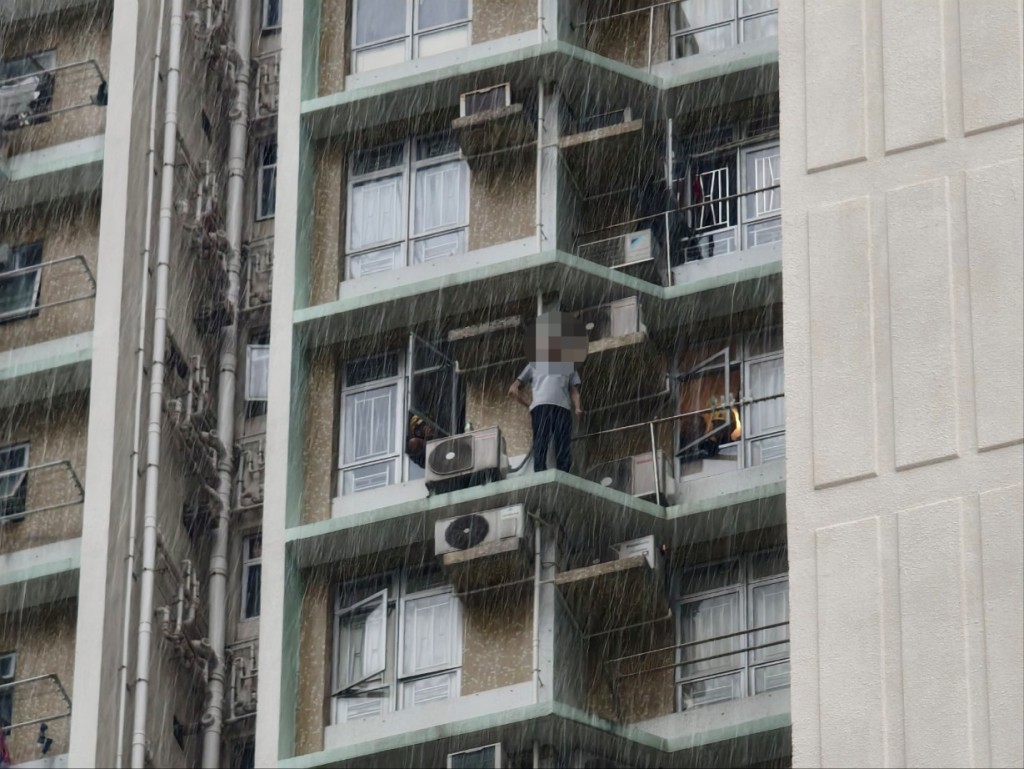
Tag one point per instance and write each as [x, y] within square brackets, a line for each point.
[557, 337]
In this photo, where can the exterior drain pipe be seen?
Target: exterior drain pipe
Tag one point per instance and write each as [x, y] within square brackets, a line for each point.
[213, 719]
[156, 387]
[140, 355]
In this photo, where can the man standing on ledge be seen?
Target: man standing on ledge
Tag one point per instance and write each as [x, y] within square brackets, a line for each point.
[556, 344]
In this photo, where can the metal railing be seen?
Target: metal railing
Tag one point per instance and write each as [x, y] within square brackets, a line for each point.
[79, 490]
[727, 403]
[80, 258]
[30, 115]
[649, 10]
[690, 234]
[59, 687]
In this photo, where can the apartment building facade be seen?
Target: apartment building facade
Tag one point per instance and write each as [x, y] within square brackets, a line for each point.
[270, 271]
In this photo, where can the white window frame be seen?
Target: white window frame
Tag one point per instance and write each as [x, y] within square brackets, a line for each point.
[47, 60]
[411, 36]
[247, 563]
[263, 348]
[393, 683]
[265, 16]
[750, 662]
[748, 437]
[26, 463]
[734, 22]
[395, 454]
[408, 169]
[262, 169]
[739, 149]
[17, 255]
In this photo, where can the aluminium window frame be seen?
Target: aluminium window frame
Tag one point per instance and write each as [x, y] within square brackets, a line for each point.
[261, 168]
[265, 26]
[734, 22]
[251, 345]
[408, 169]
[26, 464]
[16, 252]
[393, 680]
[411, 36]
[40, 115]
[247, 563]
[744, 589]
[8, 694]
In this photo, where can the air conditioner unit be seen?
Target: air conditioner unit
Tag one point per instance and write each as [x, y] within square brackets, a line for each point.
[466, 460]
[605, 119]
[613, 319]
[485, 100]
[635, 475]
[644, 546]
[468, 531]
[629, 250]
[487, 757]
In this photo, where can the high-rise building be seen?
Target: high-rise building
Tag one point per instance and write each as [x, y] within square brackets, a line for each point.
[268, 273]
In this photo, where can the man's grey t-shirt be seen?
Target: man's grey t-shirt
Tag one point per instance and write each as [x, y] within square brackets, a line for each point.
[551, 382]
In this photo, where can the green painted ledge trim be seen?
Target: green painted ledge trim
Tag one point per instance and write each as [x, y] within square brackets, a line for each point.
[48, 568]
[727, 499]
[45, 356]
[539, 260]
[60, 157]
[443, 501]
[512, 716]
[723, 65]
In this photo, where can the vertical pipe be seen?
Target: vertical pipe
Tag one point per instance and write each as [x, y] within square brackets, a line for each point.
[540, 163]
[156, 386]
[650, 40]
[140, 356]
[213, 719]
[657, 470]
[536, 609]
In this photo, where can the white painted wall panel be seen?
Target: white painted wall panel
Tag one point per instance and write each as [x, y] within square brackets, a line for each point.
[1002, 542]
[849, 574]
[914, 73]
[936, 718]
[924, 384]
[995, 210]
[842, 343]
[836, 114]
[990, 62]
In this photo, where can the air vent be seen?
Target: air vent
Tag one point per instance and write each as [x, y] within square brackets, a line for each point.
[486, 99]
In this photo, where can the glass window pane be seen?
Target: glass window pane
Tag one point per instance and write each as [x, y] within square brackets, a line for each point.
[433, 43]
[767, 449]
[378, 159]
[763, 232]
[710, 577]
[436, 145]
[712, 690]
[352, 707]
[429, 634]
[379, 20]
[376, 261]
[253, 574]
[761, 27]
[376, 212]
[268, 192]
[771, 677]
[691, 14]
[371, 369]
[435, 13]
[375, 476]
[766, 378]
[19, 293]
[380, 56]
[271, 13]
[710, 618]
[258, 373]
[748, 7]
[426, 690]
[762, 169]
[369, 424]
[713, 39]
[770, 604]
[440, 197]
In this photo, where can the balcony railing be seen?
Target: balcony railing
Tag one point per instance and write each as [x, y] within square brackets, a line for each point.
[616, 675]
[18, 481]
[36, 269]
[27, 99]
[46, 694]
[672, 229]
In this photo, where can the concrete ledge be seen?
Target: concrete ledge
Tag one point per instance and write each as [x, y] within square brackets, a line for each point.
[39, 575]
[53, 172]
[46, 369]
[721, 721]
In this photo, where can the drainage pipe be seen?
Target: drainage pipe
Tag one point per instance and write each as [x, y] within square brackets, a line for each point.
[156, 387]
[140, 370]
[536, 608]
[213, 719]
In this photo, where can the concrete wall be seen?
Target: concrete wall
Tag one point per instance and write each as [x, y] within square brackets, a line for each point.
[492, 19]
[902, 160]
[76, 34]
[55, 429]
[44, 640]
[69, 227]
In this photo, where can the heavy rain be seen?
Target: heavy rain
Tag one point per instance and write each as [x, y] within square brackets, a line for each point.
[401, 383]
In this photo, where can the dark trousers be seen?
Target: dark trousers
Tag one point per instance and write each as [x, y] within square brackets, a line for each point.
[551, 422]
